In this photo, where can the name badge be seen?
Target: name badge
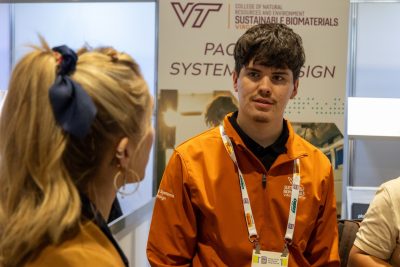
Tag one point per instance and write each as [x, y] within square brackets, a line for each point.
[269, 259]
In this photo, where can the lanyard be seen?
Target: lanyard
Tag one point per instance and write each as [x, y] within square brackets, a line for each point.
[251, 227]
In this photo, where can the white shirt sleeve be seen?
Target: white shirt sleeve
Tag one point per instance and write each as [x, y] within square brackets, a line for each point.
[378, 233]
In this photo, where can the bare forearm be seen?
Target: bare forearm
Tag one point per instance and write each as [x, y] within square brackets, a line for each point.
[359, 258]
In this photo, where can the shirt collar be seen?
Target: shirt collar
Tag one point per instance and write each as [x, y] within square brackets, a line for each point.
[278, 146]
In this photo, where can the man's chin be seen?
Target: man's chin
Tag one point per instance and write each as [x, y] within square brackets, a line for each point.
[261, 119]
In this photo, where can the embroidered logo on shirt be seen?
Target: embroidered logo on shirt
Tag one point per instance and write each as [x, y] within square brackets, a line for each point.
[287, 189]
[162, 195]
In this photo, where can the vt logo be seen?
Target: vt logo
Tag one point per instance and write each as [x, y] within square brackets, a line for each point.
[184, 12]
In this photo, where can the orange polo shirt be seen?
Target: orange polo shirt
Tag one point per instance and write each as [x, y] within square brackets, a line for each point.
[198, 217]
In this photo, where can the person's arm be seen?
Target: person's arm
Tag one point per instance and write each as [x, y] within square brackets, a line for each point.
[359, 258]
[172, 238]
[376, 238]
[322, 246]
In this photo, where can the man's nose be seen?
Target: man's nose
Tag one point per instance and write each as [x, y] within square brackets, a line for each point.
[264, 86]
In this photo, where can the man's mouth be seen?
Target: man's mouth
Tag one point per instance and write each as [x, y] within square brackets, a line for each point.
[262, 100]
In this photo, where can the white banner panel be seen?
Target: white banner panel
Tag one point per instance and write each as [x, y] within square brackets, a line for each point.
[196, 43]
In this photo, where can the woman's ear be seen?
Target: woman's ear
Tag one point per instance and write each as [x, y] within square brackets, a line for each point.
[122, 153]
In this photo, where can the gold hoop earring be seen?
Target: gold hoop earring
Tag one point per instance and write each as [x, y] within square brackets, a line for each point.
[122, 192]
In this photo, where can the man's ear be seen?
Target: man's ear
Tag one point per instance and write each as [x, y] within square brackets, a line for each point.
[122, 153]
[235, 77]
[295, 87]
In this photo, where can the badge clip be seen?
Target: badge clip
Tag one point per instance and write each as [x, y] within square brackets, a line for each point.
[254, 239]
[257, 247]
[285, 251]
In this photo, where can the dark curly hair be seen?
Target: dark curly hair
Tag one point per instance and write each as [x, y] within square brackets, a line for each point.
[271, 45]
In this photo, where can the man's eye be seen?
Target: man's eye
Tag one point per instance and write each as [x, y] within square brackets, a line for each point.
[278, 78]
[253, 74]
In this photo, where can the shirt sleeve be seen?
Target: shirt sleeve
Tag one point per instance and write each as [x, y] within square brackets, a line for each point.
[323, 245]
[172, 236]
[377, 234]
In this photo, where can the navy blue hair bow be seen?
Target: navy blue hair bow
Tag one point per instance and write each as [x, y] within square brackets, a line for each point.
[73, 108]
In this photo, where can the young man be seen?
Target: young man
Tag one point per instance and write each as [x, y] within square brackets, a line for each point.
[250, 192]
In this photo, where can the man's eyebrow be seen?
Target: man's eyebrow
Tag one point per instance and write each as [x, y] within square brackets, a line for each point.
[281, 71]
[276, 71]
[252, 68]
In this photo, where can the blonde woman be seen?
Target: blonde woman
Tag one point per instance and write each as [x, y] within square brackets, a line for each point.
[73, 130]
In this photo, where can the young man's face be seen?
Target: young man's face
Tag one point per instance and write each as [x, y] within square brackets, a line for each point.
[263, 92]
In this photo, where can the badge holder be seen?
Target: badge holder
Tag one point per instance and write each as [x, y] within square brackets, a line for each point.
[261, 258]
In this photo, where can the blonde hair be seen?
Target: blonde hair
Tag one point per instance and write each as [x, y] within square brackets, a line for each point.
[42, 168]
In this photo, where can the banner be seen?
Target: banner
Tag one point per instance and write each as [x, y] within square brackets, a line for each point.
[195, 65]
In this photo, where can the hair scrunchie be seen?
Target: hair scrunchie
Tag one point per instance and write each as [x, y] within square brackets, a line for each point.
[73, 108]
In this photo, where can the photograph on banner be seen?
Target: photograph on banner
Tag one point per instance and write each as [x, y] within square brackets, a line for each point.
[329, 139]
[204, 34]
[182, 115]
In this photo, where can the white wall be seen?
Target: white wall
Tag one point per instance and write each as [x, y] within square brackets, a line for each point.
[134, 233]
[129, 27]
[4, 45]
[378, 53]
[377, 71]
